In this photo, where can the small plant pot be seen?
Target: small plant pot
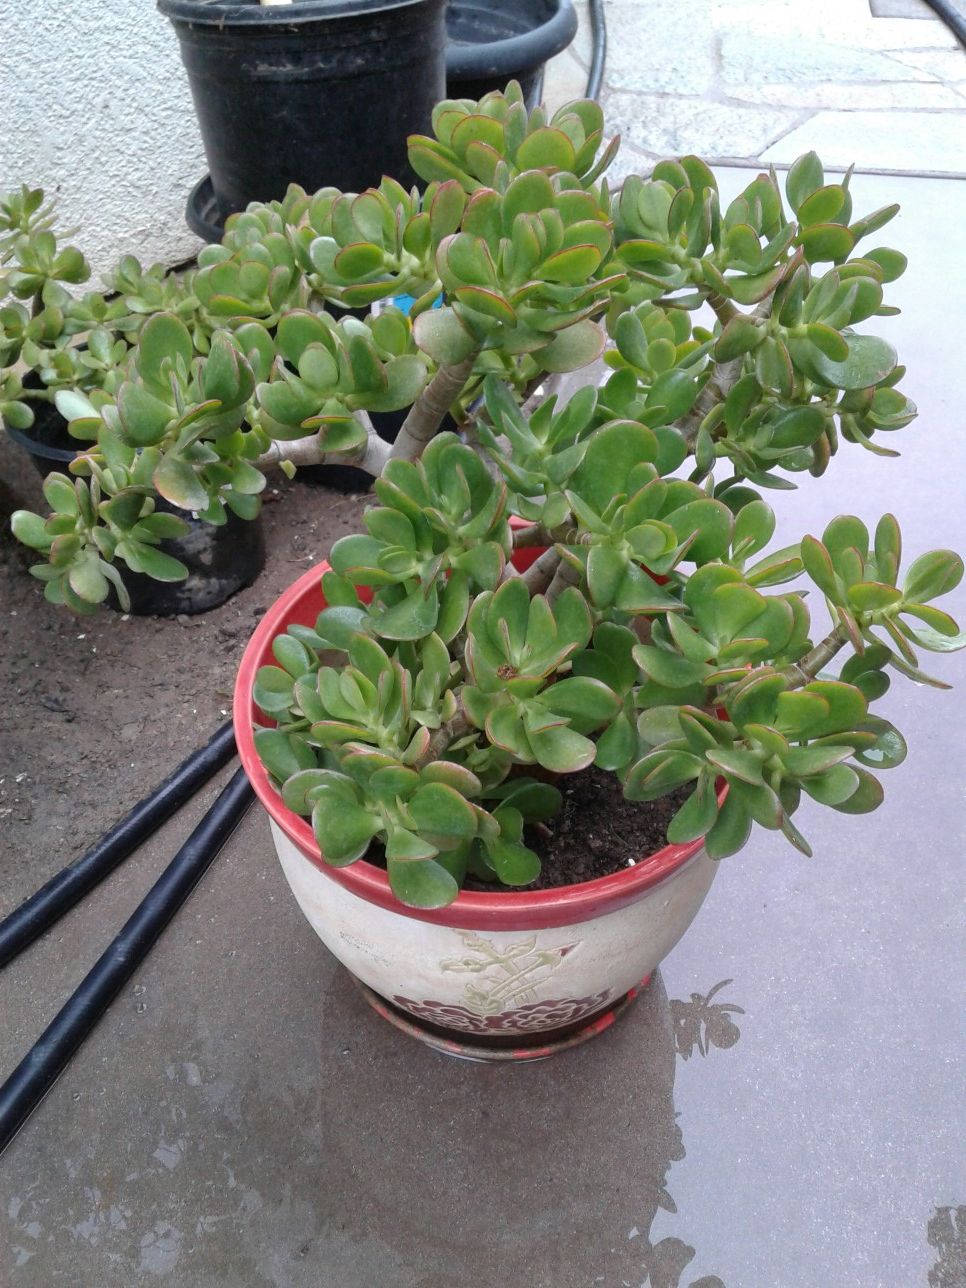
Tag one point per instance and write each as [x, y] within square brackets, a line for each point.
[47, 441]
[513, 971]
[491, 42]
[316, 92]
[202, 213]
[487, 44]
[220, 561]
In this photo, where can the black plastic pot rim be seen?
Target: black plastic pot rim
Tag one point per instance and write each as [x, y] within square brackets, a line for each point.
[26, 440]
[232, 13]
[515, 54]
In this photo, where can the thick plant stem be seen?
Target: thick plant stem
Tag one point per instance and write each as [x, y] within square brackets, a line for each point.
[804, 671]
[541, 572]
[427, 412]
[532, 535]
[724, 310]
[455, 728]
[715, 392]
[726, 374]
[566, 575]
[371, 456]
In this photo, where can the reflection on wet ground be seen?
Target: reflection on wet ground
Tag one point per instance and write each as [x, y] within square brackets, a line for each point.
[947, 1234]
[553, 1173]
[699, 1025]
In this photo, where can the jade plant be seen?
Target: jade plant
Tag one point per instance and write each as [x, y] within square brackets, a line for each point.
[152, 390]
[53, 340]
[555, 583]
[40, 318]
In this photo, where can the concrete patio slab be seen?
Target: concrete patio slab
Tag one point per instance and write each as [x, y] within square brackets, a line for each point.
[665, 125]
[241, 1118]
[742, 80]
[924, 142]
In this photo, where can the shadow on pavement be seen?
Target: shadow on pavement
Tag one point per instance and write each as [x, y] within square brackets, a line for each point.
[549, 1174]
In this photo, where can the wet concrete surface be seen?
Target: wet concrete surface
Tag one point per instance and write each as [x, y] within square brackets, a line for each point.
[240, 1118]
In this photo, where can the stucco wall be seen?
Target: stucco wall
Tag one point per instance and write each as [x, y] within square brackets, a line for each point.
[94, 105]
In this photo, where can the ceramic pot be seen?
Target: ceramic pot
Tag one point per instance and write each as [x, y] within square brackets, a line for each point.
[510, 970]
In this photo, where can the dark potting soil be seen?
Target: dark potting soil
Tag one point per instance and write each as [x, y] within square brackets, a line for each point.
[596, 833]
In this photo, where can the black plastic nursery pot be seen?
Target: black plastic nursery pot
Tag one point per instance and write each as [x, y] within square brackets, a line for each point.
[315, 92]
[490, 42]
[220, 561]
[47, 441]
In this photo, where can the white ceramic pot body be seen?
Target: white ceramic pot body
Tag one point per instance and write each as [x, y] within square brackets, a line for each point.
[507, 980]
[504, 966]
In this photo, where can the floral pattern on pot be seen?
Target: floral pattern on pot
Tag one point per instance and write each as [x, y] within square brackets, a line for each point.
[502, 996]
[534, 1017]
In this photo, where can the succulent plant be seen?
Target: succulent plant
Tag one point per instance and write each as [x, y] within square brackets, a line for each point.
[657, 634]
[53, 341]
[176, 430]
[93, 524]
[61, 340]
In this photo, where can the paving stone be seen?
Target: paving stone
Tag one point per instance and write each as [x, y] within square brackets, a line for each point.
[664, 126]
[906, 33]
[629, 160]
[582, 46]
[564, 80]
[922, 95]
[933, 143]
[840, 22]
[751, 58]
[945, 64]
[661, 47]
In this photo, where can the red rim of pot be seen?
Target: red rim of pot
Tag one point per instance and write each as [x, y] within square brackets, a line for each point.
[471, 910]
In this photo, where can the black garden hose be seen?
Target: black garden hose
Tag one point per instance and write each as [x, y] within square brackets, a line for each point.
[48, 1057]
[598, 35]
[953, 15]
[61, 892]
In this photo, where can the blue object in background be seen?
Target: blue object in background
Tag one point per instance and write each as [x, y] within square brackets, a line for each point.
[405, 302]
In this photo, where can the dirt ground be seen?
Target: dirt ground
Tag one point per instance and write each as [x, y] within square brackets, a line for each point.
[95, 711]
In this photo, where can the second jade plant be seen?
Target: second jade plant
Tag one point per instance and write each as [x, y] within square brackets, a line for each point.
[434, 703]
